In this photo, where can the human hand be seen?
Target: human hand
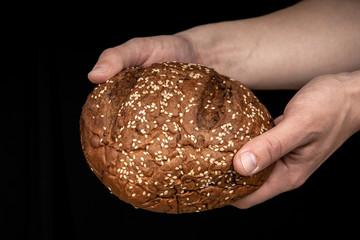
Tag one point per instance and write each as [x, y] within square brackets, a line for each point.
[317, 120]
[142, 52]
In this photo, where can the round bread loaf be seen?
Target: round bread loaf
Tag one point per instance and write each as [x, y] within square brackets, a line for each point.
[163, 137]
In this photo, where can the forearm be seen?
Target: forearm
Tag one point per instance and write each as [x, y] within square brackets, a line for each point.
[284, 49]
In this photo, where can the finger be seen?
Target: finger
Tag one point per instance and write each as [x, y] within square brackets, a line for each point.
[273, 186]
[109, 63]
[113, 60]
[267, 148]
[278, 119]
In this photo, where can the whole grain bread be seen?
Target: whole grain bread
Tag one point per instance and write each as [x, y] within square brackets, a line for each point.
[163, 137]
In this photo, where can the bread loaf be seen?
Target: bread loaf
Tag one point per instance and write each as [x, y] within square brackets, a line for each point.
[163, 137]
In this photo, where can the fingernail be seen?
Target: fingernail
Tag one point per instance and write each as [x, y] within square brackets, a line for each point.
[248, 161]
[99, 68]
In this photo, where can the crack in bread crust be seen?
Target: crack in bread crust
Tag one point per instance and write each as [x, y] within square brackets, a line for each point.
[162, 138]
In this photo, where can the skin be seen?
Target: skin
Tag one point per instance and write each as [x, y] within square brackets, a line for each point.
[310, 46]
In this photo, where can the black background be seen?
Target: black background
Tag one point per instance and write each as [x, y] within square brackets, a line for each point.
[49, 191]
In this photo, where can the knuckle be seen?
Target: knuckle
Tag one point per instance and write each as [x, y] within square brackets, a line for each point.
[273, 147]
[295, 181]
[135, 40]
[109, 52]
[139, 41]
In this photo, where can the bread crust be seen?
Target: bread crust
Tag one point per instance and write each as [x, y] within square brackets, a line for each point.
[163, 137]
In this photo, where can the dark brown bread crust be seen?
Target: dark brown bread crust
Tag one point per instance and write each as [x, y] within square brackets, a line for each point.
[162, 138]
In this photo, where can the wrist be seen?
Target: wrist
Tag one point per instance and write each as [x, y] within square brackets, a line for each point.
[227, 47]
[203, 40]
[352, 89]
[188, 36]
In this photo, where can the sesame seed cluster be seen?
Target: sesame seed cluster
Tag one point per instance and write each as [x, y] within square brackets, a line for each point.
[163, 137]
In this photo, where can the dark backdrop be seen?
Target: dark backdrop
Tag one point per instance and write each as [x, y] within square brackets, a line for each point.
[49, 191]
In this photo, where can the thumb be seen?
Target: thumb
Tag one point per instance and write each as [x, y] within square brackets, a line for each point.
[267, 148]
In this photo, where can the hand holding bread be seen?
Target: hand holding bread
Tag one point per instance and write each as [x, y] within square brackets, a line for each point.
[305, 47]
